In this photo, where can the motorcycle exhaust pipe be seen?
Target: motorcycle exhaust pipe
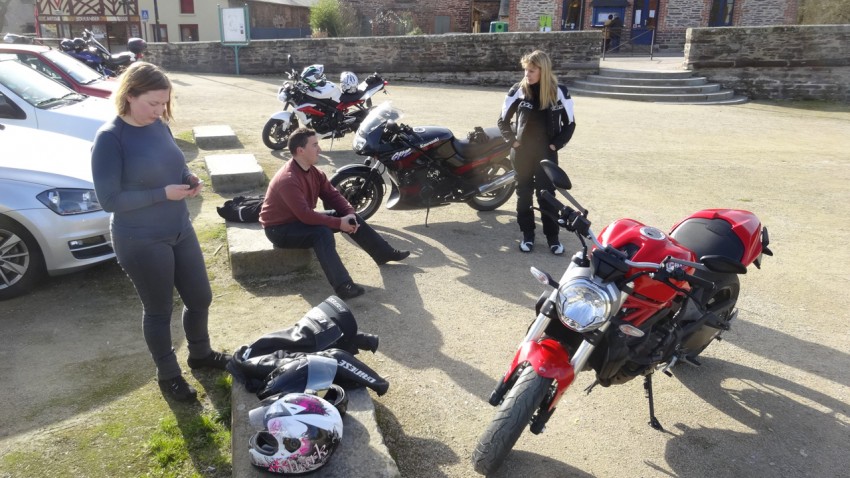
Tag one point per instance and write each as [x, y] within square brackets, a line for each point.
[499, 182]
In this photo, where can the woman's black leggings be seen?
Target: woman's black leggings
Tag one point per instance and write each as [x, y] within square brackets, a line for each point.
[156, 267]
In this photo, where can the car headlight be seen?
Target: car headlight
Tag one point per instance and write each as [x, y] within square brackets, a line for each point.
[359, 143]
[67, 202]
[584, 305]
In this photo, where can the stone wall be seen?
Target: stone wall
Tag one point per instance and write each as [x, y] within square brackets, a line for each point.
[479, 59]
[806, 62]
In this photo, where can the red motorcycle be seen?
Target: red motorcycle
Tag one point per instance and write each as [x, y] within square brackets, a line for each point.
[639, 301]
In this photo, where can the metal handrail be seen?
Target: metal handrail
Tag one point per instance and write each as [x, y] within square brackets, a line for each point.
[631, 40]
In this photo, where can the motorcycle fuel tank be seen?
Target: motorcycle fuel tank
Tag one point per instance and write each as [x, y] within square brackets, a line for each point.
[646, 244]
[436, 141]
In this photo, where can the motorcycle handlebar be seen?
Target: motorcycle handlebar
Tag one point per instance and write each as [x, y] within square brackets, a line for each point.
[576, 222]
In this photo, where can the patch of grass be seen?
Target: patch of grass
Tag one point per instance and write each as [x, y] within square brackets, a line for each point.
[186, 142]
[216, 232]
[137, 435]
[184, 437]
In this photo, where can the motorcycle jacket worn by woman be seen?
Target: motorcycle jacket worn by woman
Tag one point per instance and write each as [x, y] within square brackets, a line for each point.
[559, 119]
[540, 134]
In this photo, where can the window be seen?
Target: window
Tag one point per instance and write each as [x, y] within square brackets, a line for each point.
[442, 24]
[721, 13]
[163, 33]
[187, 6]
[188, 32]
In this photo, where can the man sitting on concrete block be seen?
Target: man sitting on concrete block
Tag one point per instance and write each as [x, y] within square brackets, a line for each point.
[290, 220]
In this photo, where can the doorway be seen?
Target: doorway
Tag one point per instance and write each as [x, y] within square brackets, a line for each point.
[721, 13]
[644, 19]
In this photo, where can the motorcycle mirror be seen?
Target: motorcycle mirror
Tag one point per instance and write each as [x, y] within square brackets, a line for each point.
[723, 264]
[557, 175]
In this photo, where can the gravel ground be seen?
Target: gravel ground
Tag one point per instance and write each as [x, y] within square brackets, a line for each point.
[770, 400]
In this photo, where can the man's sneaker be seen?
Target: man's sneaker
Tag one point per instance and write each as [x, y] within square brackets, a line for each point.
[349, 290]
[216, 360]
[177, 389]
[394, 256]
[527, 243]
[555, 246]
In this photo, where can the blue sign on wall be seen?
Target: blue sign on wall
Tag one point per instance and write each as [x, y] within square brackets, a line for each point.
[145, 15]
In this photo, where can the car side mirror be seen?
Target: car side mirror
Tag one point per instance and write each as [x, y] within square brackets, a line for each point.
[557, 175]
[10, 110]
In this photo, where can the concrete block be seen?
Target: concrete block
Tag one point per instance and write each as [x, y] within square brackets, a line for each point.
[252, 255]
[234, 172]
[361, 451]
[215, 137]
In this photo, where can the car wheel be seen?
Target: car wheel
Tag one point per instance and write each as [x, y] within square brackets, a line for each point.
[21, 263]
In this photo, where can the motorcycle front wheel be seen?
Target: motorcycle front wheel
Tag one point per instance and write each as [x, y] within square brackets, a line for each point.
[514, 414]
[364, 194]
[275, 135]
[494, 199]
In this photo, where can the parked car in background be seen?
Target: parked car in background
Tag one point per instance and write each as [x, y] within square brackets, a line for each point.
[61, 67]
[30, 99]
[50, 219]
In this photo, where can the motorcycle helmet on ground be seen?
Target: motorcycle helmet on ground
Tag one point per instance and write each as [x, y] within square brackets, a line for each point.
[313, 75]
[348, 82]
[298, 434]
[334, 394]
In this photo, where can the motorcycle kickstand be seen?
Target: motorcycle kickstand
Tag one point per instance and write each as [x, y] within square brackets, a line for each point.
[653, 422]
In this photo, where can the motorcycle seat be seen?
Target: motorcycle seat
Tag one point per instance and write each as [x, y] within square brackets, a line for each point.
[123, 58]
[709, 237]
[351, 97]
[473, 149]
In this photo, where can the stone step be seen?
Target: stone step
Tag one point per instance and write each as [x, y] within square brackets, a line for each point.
[647, 89]
[361, 452]
[663, 74]
[215, 137]
[234, 172]
[720, 97]
[612, 80]
[253, 256]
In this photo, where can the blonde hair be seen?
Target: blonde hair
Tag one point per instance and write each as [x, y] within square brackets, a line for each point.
[138, 79]
[548, 80]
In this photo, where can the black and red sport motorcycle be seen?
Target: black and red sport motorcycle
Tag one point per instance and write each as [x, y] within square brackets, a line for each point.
[638, 301]
[427, 166]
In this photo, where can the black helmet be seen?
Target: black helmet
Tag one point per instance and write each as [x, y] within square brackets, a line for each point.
[66, 44]
[79, 44]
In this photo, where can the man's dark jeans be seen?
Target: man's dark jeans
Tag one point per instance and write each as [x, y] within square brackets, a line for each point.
[298, 235]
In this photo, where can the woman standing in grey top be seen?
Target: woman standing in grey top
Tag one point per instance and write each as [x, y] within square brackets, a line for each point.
[141, 177]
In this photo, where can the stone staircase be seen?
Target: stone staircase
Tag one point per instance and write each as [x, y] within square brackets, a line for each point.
[668, 86]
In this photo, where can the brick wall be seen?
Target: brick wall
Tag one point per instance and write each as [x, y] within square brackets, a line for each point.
[767, 12]
[479, 59]
[525, 14]
[806, 62]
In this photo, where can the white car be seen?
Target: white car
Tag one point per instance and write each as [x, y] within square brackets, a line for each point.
[50, 218]
[30, 99]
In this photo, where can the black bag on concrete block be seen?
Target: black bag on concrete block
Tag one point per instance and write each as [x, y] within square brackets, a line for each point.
[241, 209]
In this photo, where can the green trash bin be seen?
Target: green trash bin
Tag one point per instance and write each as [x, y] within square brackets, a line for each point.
[498, 27]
